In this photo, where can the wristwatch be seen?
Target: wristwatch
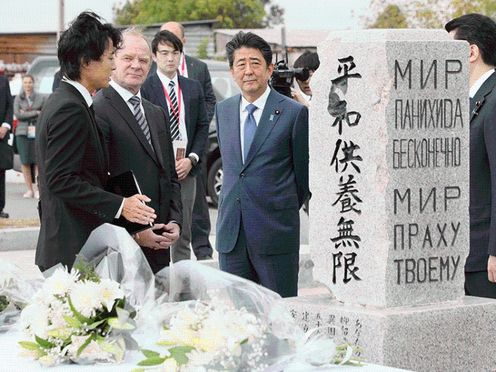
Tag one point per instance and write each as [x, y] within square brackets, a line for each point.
[193, 160]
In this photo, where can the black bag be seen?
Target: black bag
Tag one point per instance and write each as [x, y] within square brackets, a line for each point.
[14, 145]
[6, 155]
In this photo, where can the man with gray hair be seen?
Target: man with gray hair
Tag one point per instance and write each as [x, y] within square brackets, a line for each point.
[137, 136]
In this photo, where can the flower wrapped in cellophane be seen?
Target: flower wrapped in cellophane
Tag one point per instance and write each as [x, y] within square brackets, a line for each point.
[226, 323]
[15, 293]
[77, 317]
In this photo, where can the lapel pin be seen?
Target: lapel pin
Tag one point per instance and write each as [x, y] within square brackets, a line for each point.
[277, 112]
[478, 106]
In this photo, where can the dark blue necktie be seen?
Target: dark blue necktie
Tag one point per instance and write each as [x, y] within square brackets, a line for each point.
[250, 129]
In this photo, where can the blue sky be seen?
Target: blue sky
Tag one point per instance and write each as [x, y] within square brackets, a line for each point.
[42, 15]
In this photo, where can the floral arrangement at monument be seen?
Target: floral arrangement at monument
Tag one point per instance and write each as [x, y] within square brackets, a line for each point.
[210, 335]
[77, 317]
[14, 294]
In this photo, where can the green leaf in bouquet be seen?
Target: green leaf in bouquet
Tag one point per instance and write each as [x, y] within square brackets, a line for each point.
[72, 322]
[155, 361]
[179, 353]
[150, 353]
[166, 343]
[96, 324]
[117, 324]
[76, 313]
[4, 302]
[244, 341]
[85, 344]
[86, 270]
[28, 345]
[44, 343]
[62, 333]
[117, 348]
[138, 370]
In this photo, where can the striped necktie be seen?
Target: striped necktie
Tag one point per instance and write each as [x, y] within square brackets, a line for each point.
[173, 113]
[140, 117]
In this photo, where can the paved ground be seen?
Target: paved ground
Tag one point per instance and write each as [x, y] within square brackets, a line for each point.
[20, 208]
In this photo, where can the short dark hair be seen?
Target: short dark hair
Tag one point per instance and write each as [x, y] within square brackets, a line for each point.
[248, 40]
[309, 60]
[166, 37]
[85, 40]
[479, 30]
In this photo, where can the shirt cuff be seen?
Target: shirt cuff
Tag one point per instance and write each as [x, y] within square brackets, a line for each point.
[119, 212]
[6, 125]
[195, 156]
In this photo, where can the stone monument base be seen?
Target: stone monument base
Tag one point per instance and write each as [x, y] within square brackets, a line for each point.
[448, 336]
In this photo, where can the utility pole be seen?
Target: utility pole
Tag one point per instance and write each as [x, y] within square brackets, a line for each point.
[61, 19]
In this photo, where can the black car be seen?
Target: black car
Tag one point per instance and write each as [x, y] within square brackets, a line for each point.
[44, 68]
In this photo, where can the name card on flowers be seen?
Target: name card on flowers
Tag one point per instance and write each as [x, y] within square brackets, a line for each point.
[389, 132]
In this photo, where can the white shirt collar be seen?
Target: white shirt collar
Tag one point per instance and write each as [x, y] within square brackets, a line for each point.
[123, 92]
[165, 80]
[81, 89]
[259, 102]
[476, 86]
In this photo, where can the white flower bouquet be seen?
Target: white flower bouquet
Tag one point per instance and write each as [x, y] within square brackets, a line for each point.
[201, 336]
[76, 317]
[228, 324]
[15, 293]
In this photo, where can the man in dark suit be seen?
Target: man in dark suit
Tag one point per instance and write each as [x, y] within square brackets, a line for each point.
[137, 137]
[183, 101]
[6, 115]
[263, 140]
[480, 266]
[72, 161]
[195, 69]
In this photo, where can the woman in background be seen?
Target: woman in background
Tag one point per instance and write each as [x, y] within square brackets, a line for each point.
[27, 108]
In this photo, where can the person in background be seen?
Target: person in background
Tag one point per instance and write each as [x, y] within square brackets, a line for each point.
[310, 61]
[195, 69]
[6, 116]
[27, 108]
[183, 101]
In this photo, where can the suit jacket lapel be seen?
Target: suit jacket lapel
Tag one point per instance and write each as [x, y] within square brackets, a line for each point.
[186, 99]
[123, 109]
[232, 126]
[154, 133]
[158, 90]
[267, 122]
[479, 99]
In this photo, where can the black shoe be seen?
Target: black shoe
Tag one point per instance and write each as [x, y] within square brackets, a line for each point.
[4, 214]
[201, 258]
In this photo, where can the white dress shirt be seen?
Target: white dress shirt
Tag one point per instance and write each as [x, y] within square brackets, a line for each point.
[126, 96]
[243, 114]
[476, 86]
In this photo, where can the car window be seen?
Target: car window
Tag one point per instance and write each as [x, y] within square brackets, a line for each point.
[43, 70]
[223, 85]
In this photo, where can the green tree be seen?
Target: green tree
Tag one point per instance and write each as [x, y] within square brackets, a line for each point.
[424, 13]
[228, 13]
[390, 17]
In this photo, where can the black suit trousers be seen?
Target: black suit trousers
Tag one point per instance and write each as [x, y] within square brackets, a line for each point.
[2, 189]
[200, 225]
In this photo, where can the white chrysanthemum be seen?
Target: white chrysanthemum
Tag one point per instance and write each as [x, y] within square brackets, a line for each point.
[84, 297]
[57, 311]
[34, 319]
[48, 360]
[199, 359]
[109, 291]
[170, 365]
[60, 283]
